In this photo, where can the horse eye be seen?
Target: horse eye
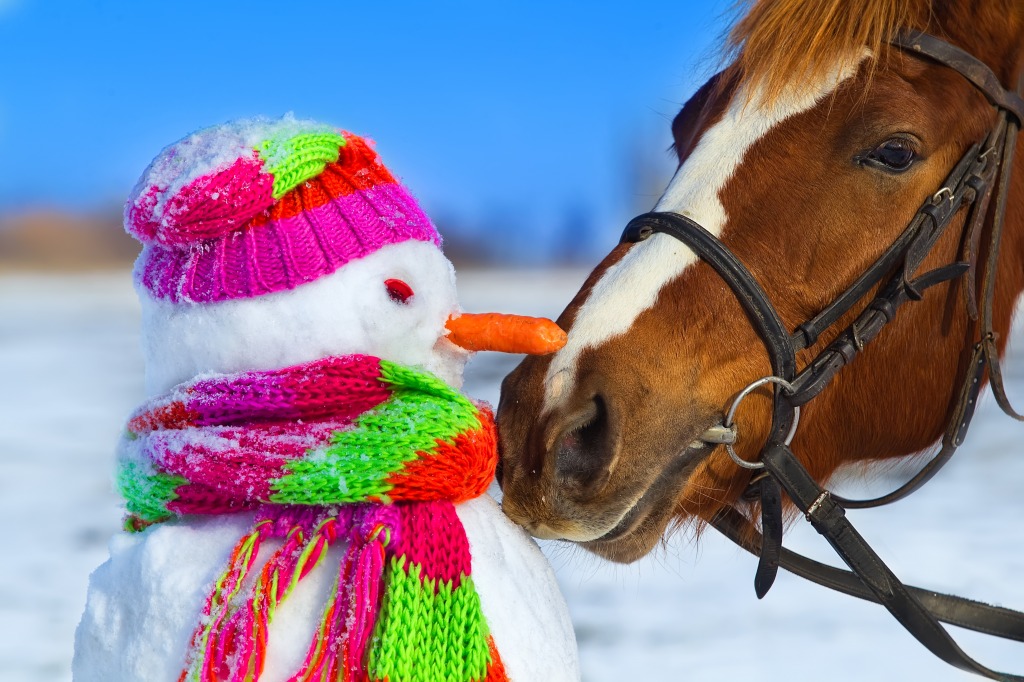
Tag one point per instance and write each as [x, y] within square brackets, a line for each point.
[399, 291]
[895, 154]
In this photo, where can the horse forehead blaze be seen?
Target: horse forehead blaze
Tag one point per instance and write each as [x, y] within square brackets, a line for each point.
[633, 283]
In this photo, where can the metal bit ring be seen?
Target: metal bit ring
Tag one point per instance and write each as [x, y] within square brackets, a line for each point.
[728, 423]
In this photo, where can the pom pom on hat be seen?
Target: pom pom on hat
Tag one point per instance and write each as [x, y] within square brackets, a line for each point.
[256, 206]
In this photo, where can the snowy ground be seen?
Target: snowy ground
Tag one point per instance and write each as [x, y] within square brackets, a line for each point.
[70, 370]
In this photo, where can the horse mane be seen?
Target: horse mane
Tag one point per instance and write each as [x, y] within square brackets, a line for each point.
[780, 42]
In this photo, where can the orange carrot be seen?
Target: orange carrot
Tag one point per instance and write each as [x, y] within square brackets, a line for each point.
[505, 333]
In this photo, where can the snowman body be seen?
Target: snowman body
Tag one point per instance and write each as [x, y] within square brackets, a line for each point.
[144, 601]
[284, 310]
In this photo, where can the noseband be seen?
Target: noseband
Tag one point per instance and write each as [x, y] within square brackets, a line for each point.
[981, 174]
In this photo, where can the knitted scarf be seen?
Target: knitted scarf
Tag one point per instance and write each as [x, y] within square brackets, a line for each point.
[350, 449]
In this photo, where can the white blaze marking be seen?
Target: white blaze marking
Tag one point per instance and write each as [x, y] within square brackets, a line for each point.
[632, 285]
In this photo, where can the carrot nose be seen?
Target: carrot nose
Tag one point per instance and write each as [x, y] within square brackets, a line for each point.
[505, 333]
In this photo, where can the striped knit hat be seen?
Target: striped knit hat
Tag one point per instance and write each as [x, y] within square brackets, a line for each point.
[256, 206]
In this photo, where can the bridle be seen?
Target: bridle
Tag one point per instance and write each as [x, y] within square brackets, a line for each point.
[983, 173]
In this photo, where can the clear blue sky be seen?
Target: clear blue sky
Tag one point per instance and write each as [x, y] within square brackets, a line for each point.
[495, 113]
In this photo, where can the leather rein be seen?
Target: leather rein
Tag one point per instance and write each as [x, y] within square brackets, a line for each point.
[981, 175]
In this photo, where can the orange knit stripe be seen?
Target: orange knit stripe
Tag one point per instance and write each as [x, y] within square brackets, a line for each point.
[358, 168]
[457, 471]
[496, 670]
[171, 416]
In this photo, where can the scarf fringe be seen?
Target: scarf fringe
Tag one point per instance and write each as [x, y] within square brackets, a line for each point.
[378, 588]
[230, 643]
[351, 609]
[378, 464]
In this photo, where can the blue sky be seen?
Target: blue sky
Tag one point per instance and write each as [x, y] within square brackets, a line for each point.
[512, 116]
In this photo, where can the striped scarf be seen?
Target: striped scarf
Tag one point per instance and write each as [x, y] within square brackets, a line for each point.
[349, 449]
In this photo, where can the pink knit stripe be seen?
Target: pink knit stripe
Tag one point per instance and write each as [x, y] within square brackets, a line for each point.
[398, 209]
[366, 589]
[283, 518]
[333, 390]
[340, 388]
[137, 215]
[281, 255]
[355, 225]
[208, 207]
[228, 465]
[433, 537]
[196, 500]
[220, 465]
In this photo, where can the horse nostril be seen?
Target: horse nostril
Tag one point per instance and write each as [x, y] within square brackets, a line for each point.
[584, 454]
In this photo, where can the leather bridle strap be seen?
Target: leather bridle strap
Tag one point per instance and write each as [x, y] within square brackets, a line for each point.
[970, 384]
[988, 334]
[937, 213]
[766, 321]
[827, 514]
[966, 613]
[829, 518]
[904, 285]
[781, 355]
[1012, 103]
[970, 175]
[967, 65]
[970, 183]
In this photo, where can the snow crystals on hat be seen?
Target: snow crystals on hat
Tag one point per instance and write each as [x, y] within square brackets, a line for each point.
[256, 206]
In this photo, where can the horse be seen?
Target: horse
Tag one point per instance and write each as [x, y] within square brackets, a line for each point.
[803, 161]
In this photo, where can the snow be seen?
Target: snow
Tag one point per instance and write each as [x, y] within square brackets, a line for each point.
[187, 557]
[348, 311]
[143, 601]
[213, 149]
[519, 596]
[108, 643]
[71, 371]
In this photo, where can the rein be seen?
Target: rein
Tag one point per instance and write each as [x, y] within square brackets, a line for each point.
[983, 173]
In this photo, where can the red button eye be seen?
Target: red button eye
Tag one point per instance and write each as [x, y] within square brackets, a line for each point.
[399, 291]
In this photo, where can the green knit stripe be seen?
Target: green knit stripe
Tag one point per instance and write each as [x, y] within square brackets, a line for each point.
[356, 465]
[403, 378]
[146, 491]
[293, 160]
[428, 632]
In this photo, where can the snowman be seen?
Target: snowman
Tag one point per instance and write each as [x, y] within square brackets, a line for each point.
[305, 486]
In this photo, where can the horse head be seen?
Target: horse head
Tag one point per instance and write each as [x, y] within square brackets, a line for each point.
[807, 157]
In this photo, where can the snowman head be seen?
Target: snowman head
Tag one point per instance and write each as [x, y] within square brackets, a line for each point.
[269, 243]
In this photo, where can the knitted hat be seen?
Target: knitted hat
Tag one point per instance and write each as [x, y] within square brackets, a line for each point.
[256, 206]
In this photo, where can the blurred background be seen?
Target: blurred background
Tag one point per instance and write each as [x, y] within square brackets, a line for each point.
[530, 131]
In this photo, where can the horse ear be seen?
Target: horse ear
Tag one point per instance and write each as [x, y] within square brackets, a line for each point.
[687, 123]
